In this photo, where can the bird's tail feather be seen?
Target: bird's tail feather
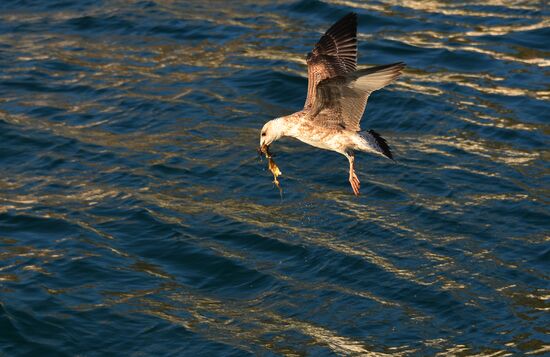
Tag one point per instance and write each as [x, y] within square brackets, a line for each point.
[373, 142]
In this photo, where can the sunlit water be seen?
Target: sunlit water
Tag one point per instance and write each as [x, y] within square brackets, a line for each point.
[137, 219]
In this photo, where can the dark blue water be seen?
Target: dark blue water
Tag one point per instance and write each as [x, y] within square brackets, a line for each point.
[136, 218]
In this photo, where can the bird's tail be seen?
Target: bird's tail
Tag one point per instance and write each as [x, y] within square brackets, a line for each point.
[371, 141]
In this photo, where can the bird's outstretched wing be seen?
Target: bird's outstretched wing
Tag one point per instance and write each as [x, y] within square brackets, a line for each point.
[340, 101]
[335, 54]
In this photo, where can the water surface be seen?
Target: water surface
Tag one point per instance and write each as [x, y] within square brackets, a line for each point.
[137, 219]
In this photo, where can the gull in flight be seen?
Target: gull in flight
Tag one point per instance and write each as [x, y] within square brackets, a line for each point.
[336, 98]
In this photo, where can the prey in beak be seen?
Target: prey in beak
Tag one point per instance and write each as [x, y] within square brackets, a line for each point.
[264, 150]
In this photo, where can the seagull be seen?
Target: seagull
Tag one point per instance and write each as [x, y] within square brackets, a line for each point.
[337, 95]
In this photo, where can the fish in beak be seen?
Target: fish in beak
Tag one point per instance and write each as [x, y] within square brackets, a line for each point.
[264, 150]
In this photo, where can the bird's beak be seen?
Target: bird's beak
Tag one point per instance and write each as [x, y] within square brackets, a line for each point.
[264, 149]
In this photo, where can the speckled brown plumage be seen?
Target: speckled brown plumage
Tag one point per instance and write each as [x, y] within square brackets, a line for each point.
[336, 99]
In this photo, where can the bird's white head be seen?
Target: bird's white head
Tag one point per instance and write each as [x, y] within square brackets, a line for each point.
[273, 130]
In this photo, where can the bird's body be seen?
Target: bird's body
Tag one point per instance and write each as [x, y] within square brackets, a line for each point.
[336, 100]
[343, 141]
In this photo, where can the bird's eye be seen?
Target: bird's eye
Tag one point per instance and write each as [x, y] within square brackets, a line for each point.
[263, 134]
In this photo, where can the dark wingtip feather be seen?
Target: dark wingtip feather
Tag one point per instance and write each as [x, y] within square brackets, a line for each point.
[345, 28]
[340, 40]
[386, 151]
[350, 18]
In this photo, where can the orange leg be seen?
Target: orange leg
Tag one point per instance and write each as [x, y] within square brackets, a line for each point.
[353, 179]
